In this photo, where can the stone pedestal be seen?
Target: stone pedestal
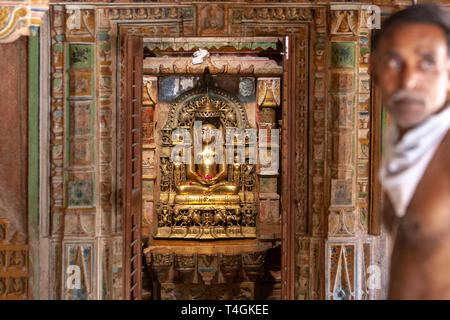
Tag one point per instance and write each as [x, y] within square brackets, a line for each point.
[192, 270]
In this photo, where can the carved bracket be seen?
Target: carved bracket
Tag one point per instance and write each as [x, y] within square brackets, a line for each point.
[21, 19]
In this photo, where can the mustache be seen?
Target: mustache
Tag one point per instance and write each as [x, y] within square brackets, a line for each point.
[407, 96]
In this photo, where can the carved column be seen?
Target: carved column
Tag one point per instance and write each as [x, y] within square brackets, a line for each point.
[341, 252]
[57, 149]
[105, 137]
[269, 100]
[349, 249]
[79, 163]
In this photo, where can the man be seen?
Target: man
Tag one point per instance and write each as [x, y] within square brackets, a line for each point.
[411, 66]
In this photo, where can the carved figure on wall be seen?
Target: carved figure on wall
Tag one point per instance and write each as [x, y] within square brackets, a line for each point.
[16, 259]
[165, 171]
[211, 19]
[249, 176]
[16, 286]
[344, 22]
[207, 177]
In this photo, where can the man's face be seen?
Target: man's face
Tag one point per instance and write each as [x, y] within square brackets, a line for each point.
[412, 69]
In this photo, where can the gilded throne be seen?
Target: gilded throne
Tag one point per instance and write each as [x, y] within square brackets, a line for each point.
[204, 196]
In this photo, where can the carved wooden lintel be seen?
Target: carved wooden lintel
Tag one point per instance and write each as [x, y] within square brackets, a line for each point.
[166, 66]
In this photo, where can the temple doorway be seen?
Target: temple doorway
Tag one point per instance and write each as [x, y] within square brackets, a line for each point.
[196, 229]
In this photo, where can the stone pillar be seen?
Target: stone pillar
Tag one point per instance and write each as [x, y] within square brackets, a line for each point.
[73, 152]
[105, 226]
[57, 149]
[349, 248]
[268, 100]
[310, 221]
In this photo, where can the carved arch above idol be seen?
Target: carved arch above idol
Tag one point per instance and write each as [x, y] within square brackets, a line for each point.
[207, 170]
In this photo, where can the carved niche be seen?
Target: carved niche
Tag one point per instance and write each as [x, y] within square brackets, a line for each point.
[202, 198]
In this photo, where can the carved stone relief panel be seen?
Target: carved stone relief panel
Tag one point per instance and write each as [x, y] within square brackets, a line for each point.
[80, 25]
[14, 265]
[344, 21]
[198, 276]
[211, 20]
[307, 268]
[268, 98]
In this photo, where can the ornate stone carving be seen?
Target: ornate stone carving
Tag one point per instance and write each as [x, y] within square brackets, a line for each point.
[211, 19]
[264, 20]
[57, 117]
[206, 276]
[341, 285]
[155, 13]
[284, 14]
[235, 291]
[14, 266]
[344, 22]
[21, 18]
[269, 94]
[3, 230]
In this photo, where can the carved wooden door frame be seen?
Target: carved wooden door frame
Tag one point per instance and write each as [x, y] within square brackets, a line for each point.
[300, 92]
[288, 183]
[132, 192]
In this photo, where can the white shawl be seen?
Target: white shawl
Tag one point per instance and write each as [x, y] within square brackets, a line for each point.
[404, 162]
